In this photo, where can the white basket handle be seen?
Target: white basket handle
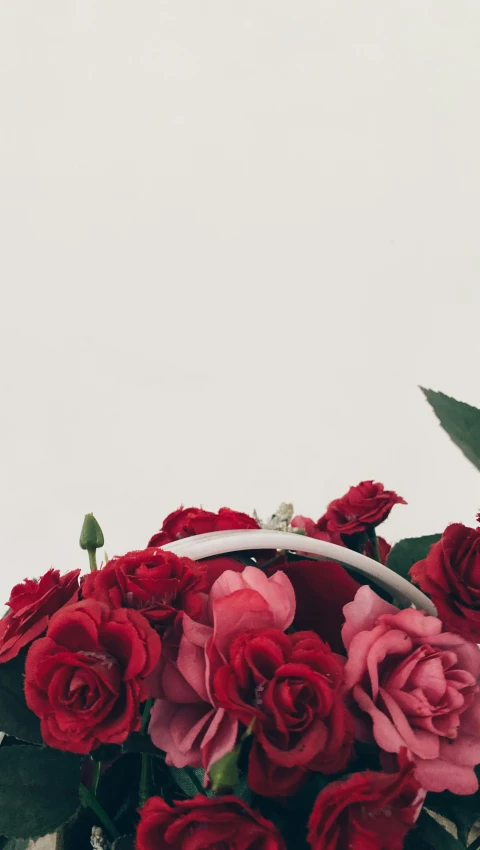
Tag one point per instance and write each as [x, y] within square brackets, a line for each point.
[221, 542]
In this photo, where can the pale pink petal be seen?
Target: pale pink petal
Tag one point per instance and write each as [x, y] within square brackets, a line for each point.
[191, 664]
[358, 650]
[439, 775]
[196, 633]
[384, 731]
[464, 750]
[363, 612]
[421, 742]
[220, 738]
[392, 643]
[417, 624]
[174, 686]
[277, 591]
[175, 729]
[238, 612]
[428, 676]
[471, 717]
[468, 655]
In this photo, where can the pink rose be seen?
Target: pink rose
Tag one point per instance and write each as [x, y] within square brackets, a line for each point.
[413, 685]
[186, 722]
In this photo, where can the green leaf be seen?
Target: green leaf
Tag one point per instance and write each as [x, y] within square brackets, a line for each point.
[38, 790]
[461, 422]
[430, 834]
[16, 719]
[224, 772]
[15, 844]
[190, 780]
[463, 811]
[407, 552]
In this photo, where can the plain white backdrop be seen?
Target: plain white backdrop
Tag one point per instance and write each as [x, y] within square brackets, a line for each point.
[235, 237]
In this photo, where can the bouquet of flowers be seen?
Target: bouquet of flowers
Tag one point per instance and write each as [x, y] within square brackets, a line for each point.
[254, 698]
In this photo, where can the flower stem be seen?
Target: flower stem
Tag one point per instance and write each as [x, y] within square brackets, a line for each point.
[96, 777]
[146, 716]
[89, 801]
[92, 559]
[144, 791]
[372, 536]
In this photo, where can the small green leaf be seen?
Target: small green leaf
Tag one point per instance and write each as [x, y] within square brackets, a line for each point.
[461, 421]
[224, 772]
[16, 719]
[407, 552]
[91, 535]
[38, 790]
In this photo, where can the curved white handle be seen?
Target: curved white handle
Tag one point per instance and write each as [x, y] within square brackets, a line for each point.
[221, 542]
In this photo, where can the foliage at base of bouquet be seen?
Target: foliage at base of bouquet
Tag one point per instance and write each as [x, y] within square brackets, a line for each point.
[251, 701]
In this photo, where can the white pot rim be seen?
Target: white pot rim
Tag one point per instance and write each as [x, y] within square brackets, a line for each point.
[221, 542]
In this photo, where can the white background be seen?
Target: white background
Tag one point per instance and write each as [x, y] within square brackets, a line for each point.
[235, 237]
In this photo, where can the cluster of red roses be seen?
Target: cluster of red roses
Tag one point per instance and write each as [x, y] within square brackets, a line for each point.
[291, 656]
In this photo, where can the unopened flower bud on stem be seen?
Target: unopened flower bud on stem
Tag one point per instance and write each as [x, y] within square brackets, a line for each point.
[91, 538]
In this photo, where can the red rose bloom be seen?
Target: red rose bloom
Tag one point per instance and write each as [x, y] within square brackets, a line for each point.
[157, 583]
[31, 604]
[186, 522]
[322, 589]
[368, 810]
[450, 574]
[316, 529]
[291, 686]
[364, 506]
[85, 678]
[226, 823]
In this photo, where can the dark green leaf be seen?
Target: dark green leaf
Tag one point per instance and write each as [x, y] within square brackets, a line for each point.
[430, 834]
[14, 844]
[407, 552]
[16, 719]
[461, 422]
[224, 772]
[38, 790]
[463, 811]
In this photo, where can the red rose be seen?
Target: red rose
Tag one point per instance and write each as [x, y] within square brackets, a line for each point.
[157, 583]
[186, 522]
[85, 678]
[322, 588]
[316, 529]
[226, 823]
[368, 810]
[31, 604]
[291, 685]
[364, 506]
[450, 574]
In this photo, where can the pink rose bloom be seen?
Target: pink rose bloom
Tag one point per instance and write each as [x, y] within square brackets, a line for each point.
[413, 685]
[186, 722]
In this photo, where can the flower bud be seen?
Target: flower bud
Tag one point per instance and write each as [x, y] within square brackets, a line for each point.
[91, 536]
